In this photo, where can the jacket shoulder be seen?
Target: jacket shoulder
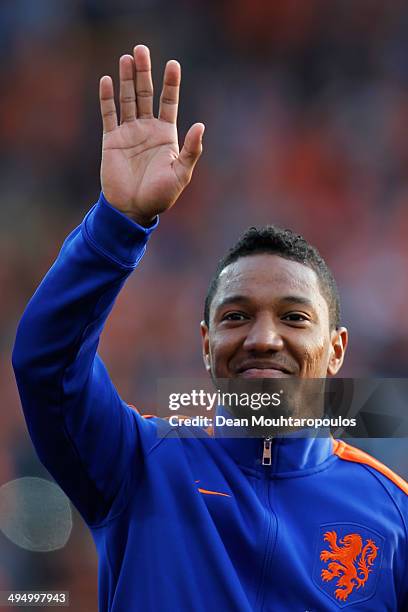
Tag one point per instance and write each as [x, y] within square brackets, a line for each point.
[346, 452]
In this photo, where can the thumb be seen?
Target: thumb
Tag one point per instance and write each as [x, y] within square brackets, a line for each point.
[190, 153]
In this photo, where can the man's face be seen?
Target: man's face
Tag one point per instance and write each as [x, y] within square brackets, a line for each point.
[269, 319]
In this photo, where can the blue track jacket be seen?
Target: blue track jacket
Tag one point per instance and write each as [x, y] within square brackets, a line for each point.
[195, 524]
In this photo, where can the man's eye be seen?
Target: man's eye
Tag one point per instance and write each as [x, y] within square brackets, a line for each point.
[234, 316]
[295, 316]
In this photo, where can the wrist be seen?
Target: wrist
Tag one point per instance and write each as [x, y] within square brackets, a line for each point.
[114, 235]
[145, 221]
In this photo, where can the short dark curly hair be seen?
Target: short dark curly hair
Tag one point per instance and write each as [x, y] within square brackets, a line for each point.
[286, 244]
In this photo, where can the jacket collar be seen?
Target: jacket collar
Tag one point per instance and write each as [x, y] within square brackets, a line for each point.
[288, 454]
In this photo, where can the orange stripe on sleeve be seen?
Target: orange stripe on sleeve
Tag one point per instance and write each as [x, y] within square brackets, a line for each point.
[350, 453]
[207, 492]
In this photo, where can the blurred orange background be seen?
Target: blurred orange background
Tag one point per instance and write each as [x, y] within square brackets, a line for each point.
[306, 113]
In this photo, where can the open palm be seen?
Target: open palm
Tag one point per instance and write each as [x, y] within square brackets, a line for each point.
[142, 170]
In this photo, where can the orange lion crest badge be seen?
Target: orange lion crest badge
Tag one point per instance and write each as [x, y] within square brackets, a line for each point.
[348, 563]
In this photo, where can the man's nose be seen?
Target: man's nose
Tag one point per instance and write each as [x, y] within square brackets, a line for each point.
[263, 336]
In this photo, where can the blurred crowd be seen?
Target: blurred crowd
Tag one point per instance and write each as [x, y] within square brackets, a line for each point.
[306, 110]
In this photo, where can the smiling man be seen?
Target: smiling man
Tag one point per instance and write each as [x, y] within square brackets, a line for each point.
[272, 310]
[202, 523]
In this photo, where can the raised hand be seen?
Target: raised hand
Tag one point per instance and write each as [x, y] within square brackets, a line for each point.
[142, 170]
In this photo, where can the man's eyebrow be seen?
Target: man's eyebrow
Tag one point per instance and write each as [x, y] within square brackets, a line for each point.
[297, 299]
[233, 299]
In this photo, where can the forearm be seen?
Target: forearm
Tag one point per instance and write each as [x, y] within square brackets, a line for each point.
[68, 399]
[79, 289]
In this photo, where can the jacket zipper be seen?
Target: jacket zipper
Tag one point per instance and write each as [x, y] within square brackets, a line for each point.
[271, 526]
[267, 451]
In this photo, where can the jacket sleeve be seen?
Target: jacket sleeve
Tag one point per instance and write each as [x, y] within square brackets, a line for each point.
[84, 434]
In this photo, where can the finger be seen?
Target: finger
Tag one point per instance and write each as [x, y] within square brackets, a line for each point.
[144, 84]
[107, 102]
[127, 96]
[189, 154]
[170, 93]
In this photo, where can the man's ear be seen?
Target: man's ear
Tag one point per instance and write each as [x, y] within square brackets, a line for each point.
[205, 339]
[339, 340]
